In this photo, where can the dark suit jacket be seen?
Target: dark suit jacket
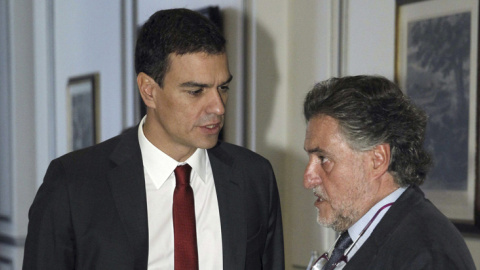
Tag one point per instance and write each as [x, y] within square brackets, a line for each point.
[91, 210]
[413, 235]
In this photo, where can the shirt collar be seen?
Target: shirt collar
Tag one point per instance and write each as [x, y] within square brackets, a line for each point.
[159, 166]
[355, 230]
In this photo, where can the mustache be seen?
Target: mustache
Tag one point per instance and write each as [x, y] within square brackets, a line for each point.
[320, 193]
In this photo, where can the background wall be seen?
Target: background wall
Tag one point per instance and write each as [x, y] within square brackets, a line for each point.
[87, 39]
[17, 180]
[46, 43]
[277, 50]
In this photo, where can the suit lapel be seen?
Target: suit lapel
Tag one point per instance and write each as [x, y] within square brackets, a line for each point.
[127, 185]
[387, 226]
[230, 204]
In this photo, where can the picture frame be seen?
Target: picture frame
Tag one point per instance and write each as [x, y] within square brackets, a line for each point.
[436, 66]
[6, 263]
[83, 111]
[214, 14]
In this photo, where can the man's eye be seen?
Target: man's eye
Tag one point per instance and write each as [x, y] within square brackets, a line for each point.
[323, 159]
[326, 164]
[195, 92]
[224, 88]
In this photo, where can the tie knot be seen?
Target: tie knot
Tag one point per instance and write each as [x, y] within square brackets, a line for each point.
[344, 241]
[182, 174]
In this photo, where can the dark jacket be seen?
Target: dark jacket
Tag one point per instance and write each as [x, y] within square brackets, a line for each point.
[413, 235]
[91, 210]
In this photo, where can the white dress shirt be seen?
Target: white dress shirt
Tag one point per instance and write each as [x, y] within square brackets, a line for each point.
[160, 184]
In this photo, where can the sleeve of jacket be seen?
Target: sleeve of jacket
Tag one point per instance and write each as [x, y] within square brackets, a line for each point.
[433, 258]
[50, 241]
[273, 256]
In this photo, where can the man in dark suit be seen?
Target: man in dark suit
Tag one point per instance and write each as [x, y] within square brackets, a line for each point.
[110, 206]
[364, 140]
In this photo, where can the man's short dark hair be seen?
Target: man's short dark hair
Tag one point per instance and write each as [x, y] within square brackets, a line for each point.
[177, 31]
[372, 110]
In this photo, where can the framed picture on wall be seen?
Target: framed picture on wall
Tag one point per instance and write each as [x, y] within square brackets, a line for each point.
[436, 65]
[83, 111]
[6, 263]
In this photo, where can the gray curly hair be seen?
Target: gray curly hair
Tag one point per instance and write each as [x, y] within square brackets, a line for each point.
[372, 110]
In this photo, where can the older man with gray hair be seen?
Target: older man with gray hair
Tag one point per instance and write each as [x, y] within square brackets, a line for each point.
[364, 141]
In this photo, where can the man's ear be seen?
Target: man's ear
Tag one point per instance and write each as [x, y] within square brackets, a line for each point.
[146, 87]
[380, 159]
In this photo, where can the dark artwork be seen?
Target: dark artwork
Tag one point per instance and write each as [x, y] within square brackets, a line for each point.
[438, 74]
[213, 13]
[83, 130]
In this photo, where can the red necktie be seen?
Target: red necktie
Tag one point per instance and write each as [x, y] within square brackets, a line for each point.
[186, 255]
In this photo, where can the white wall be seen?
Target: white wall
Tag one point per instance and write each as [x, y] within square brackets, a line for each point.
[50, 41]
[370, 38]
[20, 132]
[310, 60]
[87, 39]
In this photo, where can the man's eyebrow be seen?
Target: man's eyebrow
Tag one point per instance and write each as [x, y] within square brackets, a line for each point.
[228, 80]
[192, 84]
[314, 150]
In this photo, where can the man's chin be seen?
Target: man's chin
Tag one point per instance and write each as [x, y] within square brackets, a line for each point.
[338, 225]
[323, 222]
[207, 144]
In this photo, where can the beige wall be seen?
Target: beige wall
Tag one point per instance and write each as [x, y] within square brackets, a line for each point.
[290, 53]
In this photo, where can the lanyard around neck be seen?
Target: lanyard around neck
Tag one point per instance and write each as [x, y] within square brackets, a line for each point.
[367, 226]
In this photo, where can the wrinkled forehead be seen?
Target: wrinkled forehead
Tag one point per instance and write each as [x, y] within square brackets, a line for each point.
[321, 130]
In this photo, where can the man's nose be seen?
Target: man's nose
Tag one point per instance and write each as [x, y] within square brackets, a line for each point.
[217, 102]
[311, 178]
